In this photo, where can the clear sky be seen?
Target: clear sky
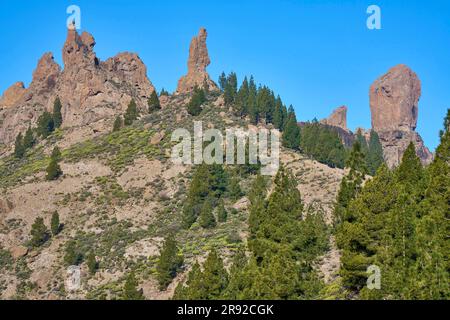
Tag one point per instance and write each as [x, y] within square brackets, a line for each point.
[317, 55]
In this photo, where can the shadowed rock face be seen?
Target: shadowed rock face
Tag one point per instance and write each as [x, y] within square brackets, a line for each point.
[197, 63]
[394, 103]
[90, 90]
[337, 119]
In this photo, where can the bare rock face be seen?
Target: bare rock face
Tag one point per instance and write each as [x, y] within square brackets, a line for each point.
[18, 252]
[12, 95]
[33, 101]
[197, 63]
[337, 119]
[90, 90]
[394, 103]
[395, 143]
[394, 100]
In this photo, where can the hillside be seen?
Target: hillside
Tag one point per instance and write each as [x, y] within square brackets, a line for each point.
[121, 194]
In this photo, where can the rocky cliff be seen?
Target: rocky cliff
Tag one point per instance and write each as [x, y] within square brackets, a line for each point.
[337, 119]
[90, 90]
[394, 103]
[197, 63]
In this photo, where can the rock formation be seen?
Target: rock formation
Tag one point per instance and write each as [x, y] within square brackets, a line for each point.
[394, 103]
[337, 119]
[90, 90]
[394, 100]
[197, 63]
[12, 95]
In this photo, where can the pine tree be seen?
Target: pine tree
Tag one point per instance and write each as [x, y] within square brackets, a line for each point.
[117, 124]
[350, 184]
[92, 263]
[222, 213]
[53, 169]
[130, 289]
[39, 232]
[197, 193]
[215, 277]
[19, 148]
[195, 104]
[206, 218]
[45, 125]
[57, 116]
[193, 290]
[230, 91]
[153, 102]
[257, 198]
[241, 107]
[222, 81]
[28, 139]
[235, 191]
[55, 224]
[252, 103]
[163, 93]
[410, 171]
[131, 114]
[291, 133]
[72, 256]
[278, 114]
[375, 154]
[169, 263]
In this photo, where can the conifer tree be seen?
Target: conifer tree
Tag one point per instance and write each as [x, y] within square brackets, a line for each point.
[53, 169]
[291, 133]
[195, 104]
[215, 277]
[169, 262]
[235, 191]
[45, 124]
[153, 102]
[206, 218]
[130, 288]
[72, 256]
[57, 116]
[163, 92]
[230, 90]
[197, 193]
[222, 213]
[28, 139]
[19, 148]
[131, 114]
[55, 224]
[92, 263]
[222, 81]
[242, 99]
[351, 184]
[39, 232]
[375, 153]
[193, 289]
[117, 124]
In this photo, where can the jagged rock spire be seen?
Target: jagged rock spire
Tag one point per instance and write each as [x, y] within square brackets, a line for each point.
[197, 63]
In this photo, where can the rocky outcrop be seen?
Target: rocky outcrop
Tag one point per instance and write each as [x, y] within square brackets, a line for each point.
[197, 63]
[90, 90]
[337, 119]
[12, 95]
[394, 100]
[394, 103]
[395, 143]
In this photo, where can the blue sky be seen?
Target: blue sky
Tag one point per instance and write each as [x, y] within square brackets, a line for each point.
[317, 55]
